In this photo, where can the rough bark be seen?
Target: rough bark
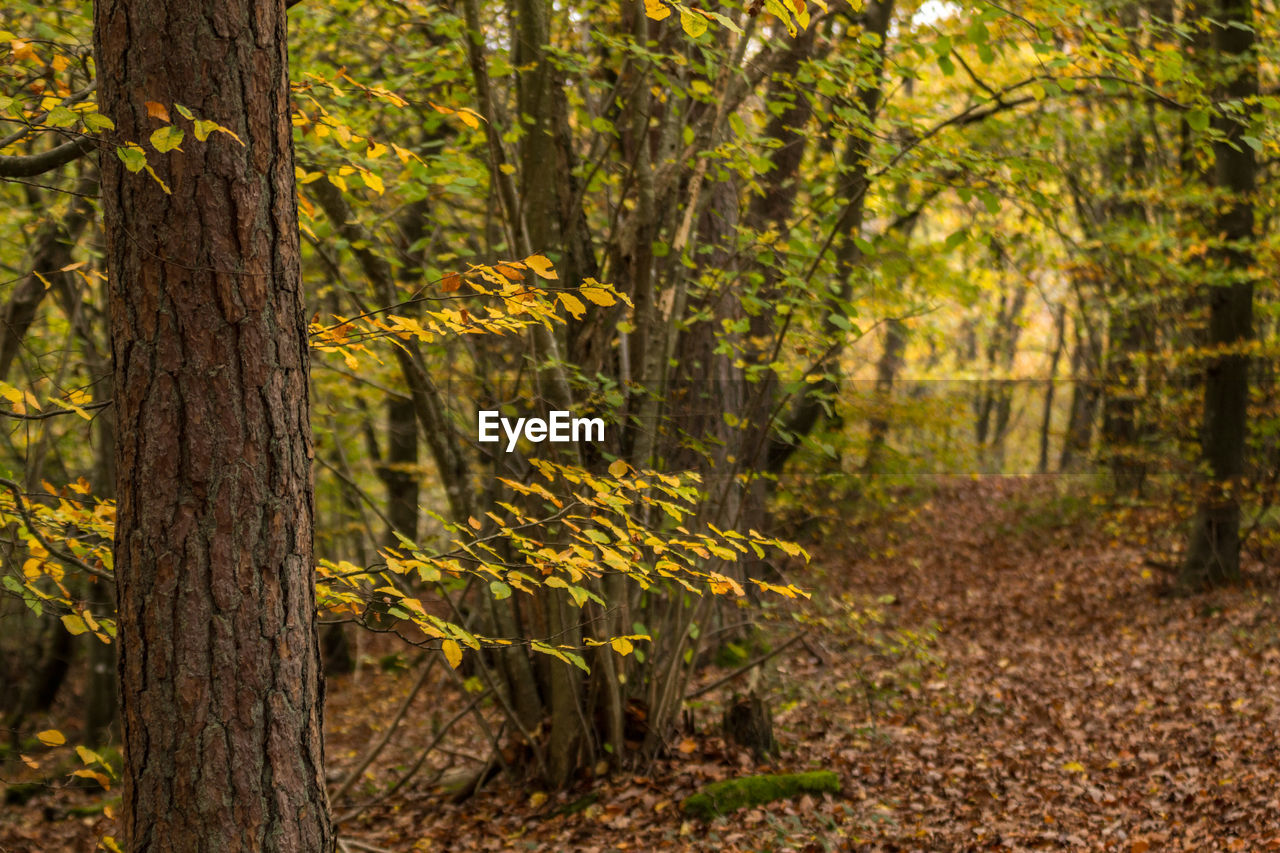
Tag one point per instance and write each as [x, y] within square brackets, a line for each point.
[219, 661]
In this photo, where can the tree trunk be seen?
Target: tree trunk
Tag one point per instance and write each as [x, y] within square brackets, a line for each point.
[1084, 402]
[895, 344]
[1046, 416]
[1213, 553]
[219, 663]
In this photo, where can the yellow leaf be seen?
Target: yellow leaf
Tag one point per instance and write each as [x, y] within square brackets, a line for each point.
[373, 182]
[74, 624]
[598, 295]
[541, 265]
[157, 110]
[475, 525]
[100, 778]
[1073, 767]
[469, 117]
[617, 468]
[694, 25]
[656, 10]
[452, 652]
[622, 645]
[51, 737]
[573, 304]
[793, 549]
[13, 395]
[156, 178]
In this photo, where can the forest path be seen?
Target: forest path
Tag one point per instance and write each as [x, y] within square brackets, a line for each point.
[1076, 708]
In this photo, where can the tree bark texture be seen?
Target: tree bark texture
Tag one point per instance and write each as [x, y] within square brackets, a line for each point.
[219, 662]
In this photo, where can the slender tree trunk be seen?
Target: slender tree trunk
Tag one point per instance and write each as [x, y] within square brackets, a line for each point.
[895, 344]
[1084, 401]
[219, 662]
[1046, 415]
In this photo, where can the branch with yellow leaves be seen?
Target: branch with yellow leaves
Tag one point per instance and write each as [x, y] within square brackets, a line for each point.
[19, 501]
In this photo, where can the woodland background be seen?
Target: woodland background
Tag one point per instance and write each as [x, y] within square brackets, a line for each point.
[937, 346]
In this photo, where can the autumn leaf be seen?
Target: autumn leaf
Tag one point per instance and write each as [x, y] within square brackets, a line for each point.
[451, 282]
[692, 23]
[167, 138]
[573, 304]
[51, 737]
[542, 266]
[452, 652]
[598, 295]
[158, 110]
[656, 9]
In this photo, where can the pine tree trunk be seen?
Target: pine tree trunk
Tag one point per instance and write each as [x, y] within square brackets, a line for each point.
[219, 663]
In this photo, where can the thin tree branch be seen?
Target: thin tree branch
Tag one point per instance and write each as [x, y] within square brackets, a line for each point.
[31, 165]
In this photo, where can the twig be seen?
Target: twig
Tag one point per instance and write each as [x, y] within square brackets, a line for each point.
[53, 413]
[412, 771]
[360, 845]
[373, 753]
[746, 667]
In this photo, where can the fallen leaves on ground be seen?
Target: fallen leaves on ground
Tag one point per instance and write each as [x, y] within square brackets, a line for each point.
[1059, 703]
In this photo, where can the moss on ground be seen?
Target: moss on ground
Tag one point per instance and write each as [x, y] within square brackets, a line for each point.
[723, 797]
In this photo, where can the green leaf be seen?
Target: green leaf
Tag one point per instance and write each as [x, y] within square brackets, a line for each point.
[167, 138]
[499, 590]
[1198, 120]
[133, 157]
[97, 121]
[693, 24]
[61, 117]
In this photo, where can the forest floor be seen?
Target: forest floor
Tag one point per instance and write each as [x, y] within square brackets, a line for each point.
[990, 668]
